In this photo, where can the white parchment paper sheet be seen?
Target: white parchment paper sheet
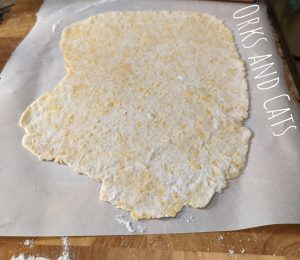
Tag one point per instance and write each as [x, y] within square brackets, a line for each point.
[46, 199]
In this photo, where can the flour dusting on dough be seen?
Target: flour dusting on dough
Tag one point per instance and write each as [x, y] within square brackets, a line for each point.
[152, 107]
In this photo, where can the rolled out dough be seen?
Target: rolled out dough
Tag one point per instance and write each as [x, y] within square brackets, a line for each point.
[152, 107]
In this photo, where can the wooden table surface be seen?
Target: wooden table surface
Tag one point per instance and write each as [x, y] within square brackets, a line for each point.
[271, 242]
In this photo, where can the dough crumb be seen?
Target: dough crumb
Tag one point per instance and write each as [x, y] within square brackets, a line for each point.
[55, 26]
[141, 228]
[28, 243]
[120, 219]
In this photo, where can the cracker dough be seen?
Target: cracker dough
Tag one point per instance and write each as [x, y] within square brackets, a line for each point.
[152, 106]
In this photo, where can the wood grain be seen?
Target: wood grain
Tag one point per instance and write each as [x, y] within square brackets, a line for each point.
[279, 240]
[258, 243]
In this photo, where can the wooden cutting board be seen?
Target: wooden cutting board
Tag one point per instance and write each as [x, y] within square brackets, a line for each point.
[272, 242]
[283, 241]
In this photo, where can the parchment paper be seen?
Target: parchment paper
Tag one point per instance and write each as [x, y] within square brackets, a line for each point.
[46, 199]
